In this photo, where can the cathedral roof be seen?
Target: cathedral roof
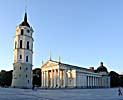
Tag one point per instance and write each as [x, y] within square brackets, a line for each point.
[102, 68]
[25, 23]
[68, 65]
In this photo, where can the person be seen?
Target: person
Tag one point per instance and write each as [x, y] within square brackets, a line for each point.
[119, 92]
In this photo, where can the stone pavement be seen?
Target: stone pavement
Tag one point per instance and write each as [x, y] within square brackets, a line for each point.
[60, 94]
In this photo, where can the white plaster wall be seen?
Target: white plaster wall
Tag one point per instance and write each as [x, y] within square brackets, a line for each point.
[19, 76]
[22, 77]
[71, 76]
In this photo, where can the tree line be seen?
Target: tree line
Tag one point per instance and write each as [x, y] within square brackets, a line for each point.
[6, 78]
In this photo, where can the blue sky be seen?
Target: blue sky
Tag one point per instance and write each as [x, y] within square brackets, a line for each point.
[82, 32]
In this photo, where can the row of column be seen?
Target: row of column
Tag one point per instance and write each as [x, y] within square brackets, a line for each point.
[54, 78]
[57, 78]
[93, 81]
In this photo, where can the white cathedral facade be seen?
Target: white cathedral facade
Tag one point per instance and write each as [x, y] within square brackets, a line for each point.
[59, 75]
[54, 74]
[23, 56]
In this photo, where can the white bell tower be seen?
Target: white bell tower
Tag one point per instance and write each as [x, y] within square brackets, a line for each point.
[23, 56]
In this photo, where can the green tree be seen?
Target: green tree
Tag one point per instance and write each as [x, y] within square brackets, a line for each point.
[114, 79]
[37, 77]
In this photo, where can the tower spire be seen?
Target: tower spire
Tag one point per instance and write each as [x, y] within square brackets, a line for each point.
[25, 22]
[25, 17]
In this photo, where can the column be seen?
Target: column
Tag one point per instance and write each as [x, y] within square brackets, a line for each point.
[88, 81]
[83, 81]
[96, 82]
[54, 78]
[65, 78]
[58, 78]
[51, 78]
[93, 82]
[99, 82]
[47, 79]
[42, 79]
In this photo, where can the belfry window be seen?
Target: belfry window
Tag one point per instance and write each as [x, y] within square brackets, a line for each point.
[26, 58]
[20, 43]
[22, 31]
[27, 44]
[20, 56]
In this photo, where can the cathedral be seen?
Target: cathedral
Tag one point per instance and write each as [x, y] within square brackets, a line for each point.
[54, 74]
[60, 75]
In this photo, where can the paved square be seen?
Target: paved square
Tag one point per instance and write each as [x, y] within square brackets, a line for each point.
[60, 94]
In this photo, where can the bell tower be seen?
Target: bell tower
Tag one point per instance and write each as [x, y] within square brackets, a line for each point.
[23, 55]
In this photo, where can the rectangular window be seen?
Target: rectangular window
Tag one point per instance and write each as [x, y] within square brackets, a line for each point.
[26, 58]
[20, 56]
[28, 81]
[21, 31]
[27, 44]
[20, 43]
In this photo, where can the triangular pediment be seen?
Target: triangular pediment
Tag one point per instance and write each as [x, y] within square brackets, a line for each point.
[49, 63]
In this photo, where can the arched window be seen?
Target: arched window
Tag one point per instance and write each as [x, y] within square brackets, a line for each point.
[27, 44]
[26, 68]
[15, 45]
[22, 31]
[20, 56]
[20, 43]
[20, 68]
[28, 81]
[26, 58]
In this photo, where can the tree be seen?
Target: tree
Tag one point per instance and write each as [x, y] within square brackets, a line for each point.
[37, 77]
[5, 78]
[114, 79]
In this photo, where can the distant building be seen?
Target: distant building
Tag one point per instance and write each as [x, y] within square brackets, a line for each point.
[59, 75]
[23, 54]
